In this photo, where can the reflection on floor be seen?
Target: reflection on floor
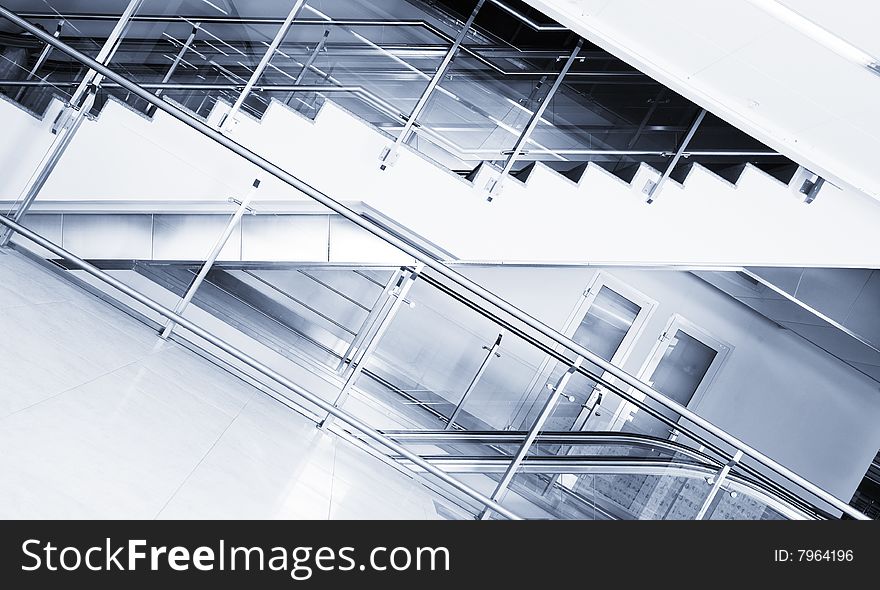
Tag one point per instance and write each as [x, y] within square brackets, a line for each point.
[101, 419]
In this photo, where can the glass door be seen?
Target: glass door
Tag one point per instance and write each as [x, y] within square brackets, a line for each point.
[683, 364]
[612, 315]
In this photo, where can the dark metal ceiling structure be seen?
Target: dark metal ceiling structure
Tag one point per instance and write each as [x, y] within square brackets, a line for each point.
[376, 59]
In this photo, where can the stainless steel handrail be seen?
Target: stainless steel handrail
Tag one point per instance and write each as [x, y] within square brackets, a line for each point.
[556, 465]
[526, 20]
[435, 265]
[574, 438]
[371, 97]
[318, 22]
[346, 418]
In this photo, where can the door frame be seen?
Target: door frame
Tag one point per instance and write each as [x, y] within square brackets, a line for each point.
[676, 322]
[603, 278]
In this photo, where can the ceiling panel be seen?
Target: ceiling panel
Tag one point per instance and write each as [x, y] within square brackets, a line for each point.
[854, 20]
[813, 104]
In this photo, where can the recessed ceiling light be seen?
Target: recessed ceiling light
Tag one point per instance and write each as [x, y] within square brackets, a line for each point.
[819, 34]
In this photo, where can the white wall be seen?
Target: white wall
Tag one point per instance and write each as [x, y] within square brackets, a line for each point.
[776, 391]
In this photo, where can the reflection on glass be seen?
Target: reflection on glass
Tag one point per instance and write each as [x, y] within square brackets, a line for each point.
[679, 373]
[602, 330]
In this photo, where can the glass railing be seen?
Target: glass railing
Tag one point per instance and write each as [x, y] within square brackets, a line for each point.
[379, 69]
[604, 476]
[413, 346]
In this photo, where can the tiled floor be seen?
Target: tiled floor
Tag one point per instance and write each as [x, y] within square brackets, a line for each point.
[101, 419]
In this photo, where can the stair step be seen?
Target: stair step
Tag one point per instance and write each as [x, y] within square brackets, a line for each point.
[680, 172]
[729, 173]
[524, 173]
[781, 172]
[575, 174]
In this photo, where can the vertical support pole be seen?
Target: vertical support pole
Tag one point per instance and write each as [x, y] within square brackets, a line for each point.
[653, 188]
[399, 293]
[495, 184]
[93, 78]
[493, 352]
[536, 428]
[716, 485]
[44, 55]
[212, 257]
[319, 47]
[177, 59]
[389, 154]
[70, 119]
[314, 55]
[353, 350]
[644, 122]
[227, 121]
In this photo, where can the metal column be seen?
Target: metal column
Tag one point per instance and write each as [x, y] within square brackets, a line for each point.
[653, 188]
[493, 352]
[716, 485]
[258, 71]
[399, 293]
[177, 59]
[389, 154]
[536, 428]
[495, 185]
[70, 118]
[212, 257]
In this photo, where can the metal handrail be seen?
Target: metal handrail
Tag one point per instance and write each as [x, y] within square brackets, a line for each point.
[574, 438]
[370, 96]
[315, 22]
[436, 265]
[556, 465]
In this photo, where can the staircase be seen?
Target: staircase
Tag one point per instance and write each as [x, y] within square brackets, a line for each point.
[221, 282]
[586, 216]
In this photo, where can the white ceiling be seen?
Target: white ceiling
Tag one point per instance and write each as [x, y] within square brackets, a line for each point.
[758, 73]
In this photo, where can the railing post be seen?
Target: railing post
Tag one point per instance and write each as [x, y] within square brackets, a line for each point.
[228, 120]
[536, 428]
[373, 318]
[495, 184]
[70, 118]
[389, 154]
[399, 293]
[177, 59]
[211, 258]
[652, 189]
[716, 485]
[44, 55]
[493, 352]
[319, 47]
